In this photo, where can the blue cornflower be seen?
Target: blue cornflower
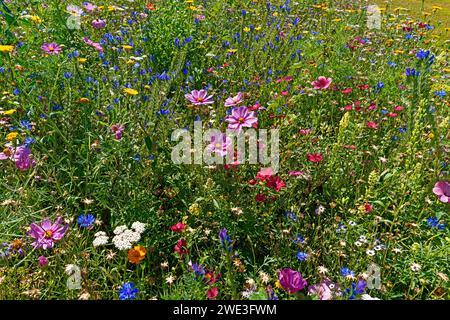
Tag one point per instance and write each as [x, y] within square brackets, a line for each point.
[128, 291]
[346, 272]
[225, 239]
[355, 290]
[26, 124]
[441, 226]
[300, 239]
[432, 222]
[440, 93]
[290, 215]
[198, 269]
[86, 220]
[411, 72]
[302, 256]
[402, 130]
[423, 54]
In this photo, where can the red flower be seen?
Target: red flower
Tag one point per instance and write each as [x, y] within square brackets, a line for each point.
[348, 90]
[264, 174]
[314, 157]
[150, 6]
[368, 208]
[372, 125]
[275, 183]
[212, 293]
[260, 197]
[178, 227]
[181, 247]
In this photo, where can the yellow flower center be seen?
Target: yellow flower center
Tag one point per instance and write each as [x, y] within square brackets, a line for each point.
[48, 234]
[241, 120]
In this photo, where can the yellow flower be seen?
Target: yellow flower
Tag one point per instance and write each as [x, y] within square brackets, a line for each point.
[127, 47]
[258, 28]
[278, 285]
[82, 60]
[232, 50]
[11, 136]
[6, 48]
[36, 19]
[130, 92]
[189, 1]
[193, 8]
[130, 62]
[147, 87]
[83, 100]
[435, 8]
[399, 51]
[336, 20]
[9, 112]
[246, 29]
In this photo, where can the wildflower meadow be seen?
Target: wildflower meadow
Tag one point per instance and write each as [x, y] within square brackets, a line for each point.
[224, 150]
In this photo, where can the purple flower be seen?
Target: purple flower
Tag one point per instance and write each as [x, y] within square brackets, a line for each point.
[291, 280]
[47, 233]
[232, 101]
[43, 261]
[442, 190]
[51, 48]
[22, 158]
[117, 129]
[98, 23]
[225, 239]
[197, 97]
[241, 117]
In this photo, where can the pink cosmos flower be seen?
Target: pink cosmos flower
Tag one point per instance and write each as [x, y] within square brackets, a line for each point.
[264, 174]
[7, 153]
[89, 7]
[51, 48]
[321, 83]
[46, 234]
[232, 101]
[442, 190]
[241, 117]
[199, 97]
[219, 144]
[93, 44]
[260, 197]
[326, 290]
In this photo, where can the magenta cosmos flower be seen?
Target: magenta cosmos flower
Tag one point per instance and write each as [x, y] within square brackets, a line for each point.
[291, 280]
[51, 48]
[46, 234]
[321, 83]
[232, 101]
[199, 97]
[241, 117]
[219, 144]
[442, 190]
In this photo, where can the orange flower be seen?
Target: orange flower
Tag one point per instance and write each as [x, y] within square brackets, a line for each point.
[137, 254]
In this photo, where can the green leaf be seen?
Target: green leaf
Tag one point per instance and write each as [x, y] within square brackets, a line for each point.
[148, 143]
